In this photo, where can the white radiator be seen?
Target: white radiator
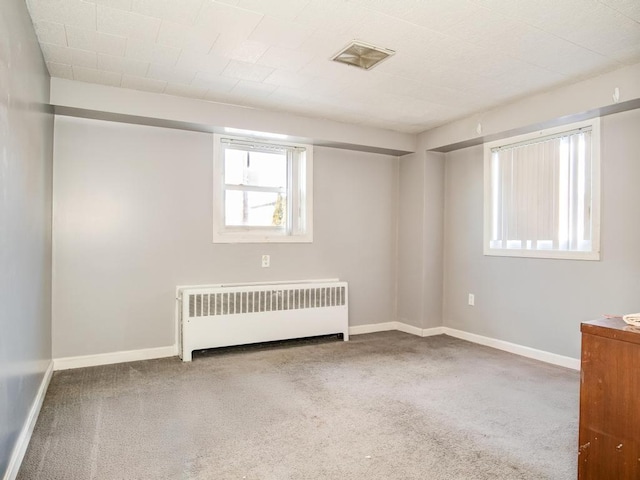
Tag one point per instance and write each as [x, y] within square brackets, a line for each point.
[221, 316]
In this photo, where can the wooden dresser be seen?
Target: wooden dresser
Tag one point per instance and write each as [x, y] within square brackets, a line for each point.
[609, 443]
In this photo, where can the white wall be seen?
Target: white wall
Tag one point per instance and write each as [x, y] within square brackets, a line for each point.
[132, 217]
[538, 302]
[26, 134]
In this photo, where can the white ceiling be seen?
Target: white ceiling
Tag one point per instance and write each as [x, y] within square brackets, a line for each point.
[454, 57]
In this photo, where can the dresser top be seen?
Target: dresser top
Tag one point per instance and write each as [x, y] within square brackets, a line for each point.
[614, 328]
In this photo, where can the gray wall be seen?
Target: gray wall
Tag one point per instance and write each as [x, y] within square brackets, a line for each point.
[410, 308]
[26, 134]
[420, 239]
[537, 302]
[132, 215]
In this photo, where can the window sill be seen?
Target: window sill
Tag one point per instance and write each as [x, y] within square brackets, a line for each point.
[260, 238]
[549, 254]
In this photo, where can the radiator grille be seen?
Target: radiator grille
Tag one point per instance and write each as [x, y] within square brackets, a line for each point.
[230, 303]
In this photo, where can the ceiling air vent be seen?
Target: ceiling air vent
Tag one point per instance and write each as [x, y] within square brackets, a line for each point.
[363, 55]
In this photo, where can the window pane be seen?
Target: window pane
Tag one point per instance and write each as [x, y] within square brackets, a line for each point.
[255, 209]
[235, 162]
[257, 169]
[541, 193]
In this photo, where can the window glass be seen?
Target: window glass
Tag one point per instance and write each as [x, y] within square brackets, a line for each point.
[542, 194]
[262, 191]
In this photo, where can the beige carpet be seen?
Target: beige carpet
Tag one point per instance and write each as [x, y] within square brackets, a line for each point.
[382, 406]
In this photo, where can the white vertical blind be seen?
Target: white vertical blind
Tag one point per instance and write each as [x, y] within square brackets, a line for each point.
[541, 195]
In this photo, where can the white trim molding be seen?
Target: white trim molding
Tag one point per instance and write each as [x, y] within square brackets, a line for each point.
[523, 351]
[372, 328]
[400, 326]
[541, 355]
[67, 363]
[15, 461]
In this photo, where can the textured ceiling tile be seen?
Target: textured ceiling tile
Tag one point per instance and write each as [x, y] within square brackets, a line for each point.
[247, 71]
[81, 38]
[69, 56]
[277, 32]
[325, 43]
[174, 34]
[185, 90]
[486, 28]
[585, 27]
[121, 4]
[52, 33]
[629, 55]
[122, 65]
[196, 39]
[588, 23]
[386, 32]
[200, 39]
[127, 24]
[284, 58]
[214, 82]
[336, 16]
[453, 57]
[212, 64]
[180, 11]
[110, 44]
[629, 8]
[85, 39]
[248, 51]
[153, 53]
[70, 12]
[83, 58]
[56, 53]
[144, 84]
[287, 78]
[392, 8]
[60, 70]
[171, 74]
[91, 75]
[440, 16]
[295, 95]
[252, 90]
[282, 9]
[225, 18]
[533, 46]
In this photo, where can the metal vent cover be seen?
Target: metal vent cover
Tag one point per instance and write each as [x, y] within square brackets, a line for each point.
[234, 303]
[362, 55]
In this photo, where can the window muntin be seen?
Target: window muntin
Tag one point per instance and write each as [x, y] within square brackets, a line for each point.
[262, 191]
[542, 194]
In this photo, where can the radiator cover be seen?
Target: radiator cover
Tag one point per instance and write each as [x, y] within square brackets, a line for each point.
[222, 316]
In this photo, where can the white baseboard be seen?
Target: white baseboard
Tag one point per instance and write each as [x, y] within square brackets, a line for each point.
[541, 355]
[67, 363]
[372, 328]
[400, 326]
[27, 429]
[420, 332]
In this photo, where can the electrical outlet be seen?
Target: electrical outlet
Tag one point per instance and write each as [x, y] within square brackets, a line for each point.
[266, 261]
[472, 299]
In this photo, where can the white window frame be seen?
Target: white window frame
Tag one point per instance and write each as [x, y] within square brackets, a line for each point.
[594, 253]
[299, 197]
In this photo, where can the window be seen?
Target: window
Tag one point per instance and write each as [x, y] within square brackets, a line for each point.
[542, 194]
[262, 191]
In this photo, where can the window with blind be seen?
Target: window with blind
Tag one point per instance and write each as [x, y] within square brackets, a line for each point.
[542, 194]
[262, 191]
